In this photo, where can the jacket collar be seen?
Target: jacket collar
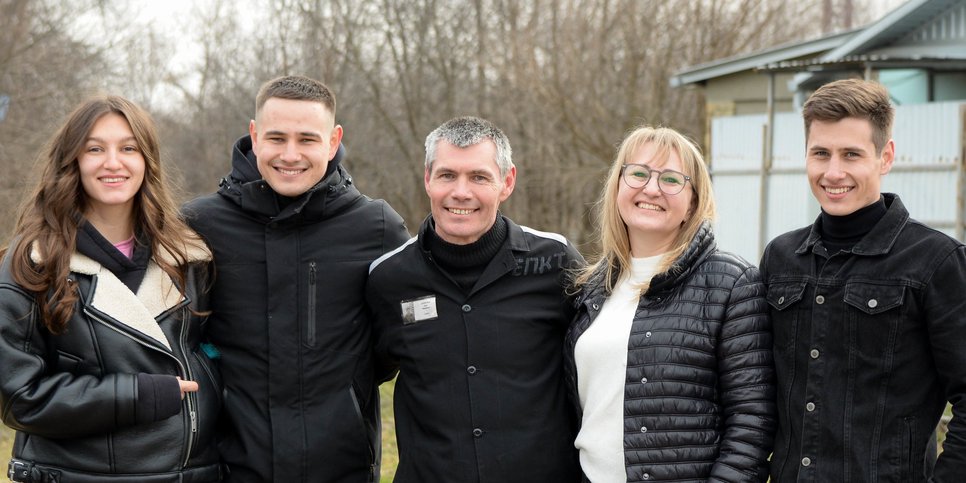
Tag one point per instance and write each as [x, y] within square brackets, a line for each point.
[879, 240]
[139, 311]
[698, 249]
[503, 262]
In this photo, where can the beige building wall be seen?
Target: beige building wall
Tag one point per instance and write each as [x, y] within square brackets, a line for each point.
[746, 93]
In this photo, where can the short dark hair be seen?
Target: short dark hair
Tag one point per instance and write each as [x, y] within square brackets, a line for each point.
[859, 98]
[295, 87]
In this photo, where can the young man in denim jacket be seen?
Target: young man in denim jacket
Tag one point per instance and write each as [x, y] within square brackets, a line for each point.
[869, 313]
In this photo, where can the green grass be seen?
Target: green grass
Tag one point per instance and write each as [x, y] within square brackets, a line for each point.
[6, 449]
[390, 455]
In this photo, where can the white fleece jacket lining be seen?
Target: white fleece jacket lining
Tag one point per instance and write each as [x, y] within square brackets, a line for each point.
[156, 294]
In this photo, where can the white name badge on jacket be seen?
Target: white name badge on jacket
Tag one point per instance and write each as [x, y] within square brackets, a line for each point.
[418, 310]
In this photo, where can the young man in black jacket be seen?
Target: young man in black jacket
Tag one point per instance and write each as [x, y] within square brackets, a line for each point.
[867, 309]
[473, 313]
[292, 240]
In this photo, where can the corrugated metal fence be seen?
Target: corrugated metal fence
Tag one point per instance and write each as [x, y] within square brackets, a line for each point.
[927, 174]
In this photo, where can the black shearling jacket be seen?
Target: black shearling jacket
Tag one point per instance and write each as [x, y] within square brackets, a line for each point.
[73, 397]
[288, 316]
[700, 379]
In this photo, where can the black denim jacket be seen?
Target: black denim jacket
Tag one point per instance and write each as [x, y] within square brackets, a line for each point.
[869, 346]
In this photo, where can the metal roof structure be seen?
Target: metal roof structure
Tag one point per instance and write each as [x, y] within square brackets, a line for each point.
[701, 73]
[914, 22]
[899, 39]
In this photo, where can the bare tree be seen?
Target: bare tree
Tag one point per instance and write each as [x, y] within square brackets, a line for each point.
[44, 71]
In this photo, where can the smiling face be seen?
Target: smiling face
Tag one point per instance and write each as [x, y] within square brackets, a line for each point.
[465, 190]
[653, 218]
[294, 141]
[111, 168]
[844, 171]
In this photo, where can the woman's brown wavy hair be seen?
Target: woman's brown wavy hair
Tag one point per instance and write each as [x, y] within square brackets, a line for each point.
[50, 216]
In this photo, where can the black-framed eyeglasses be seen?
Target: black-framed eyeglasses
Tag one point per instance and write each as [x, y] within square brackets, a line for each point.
[669, 181]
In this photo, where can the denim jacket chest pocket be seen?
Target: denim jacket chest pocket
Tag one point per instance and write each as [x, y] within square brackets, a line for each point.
[874, 316]
[785, 298]
[872, 298]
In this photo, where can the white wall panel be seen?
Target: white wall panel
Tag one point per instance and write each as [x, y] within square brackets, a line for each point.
[736, 230]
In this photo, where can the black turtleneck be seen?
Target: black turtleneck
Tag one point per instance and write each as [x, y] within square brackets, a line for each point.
[843, 232]
[90, 242]
[465, 263]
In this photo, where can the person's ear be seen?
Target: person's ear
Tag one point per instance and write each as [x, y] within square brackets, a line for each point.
[334, 140]
[253, 132]
[509, 182]
[887, 157]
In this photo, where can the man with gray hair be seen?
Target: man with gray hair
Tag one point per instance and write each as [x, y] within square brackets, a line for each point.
[472, 312]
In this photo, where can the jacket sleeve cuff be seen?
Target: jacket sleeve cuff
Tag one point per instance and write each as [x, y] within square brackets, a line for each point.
[159, 397]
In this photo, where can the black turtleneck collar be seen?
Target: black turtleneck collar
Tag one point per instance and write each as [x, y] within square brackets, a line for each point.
[843, 232]
[465, 263]
[130, 271]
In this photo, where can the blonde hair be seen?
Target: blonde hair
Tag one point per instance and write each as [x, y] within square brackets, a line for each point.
[615, 256]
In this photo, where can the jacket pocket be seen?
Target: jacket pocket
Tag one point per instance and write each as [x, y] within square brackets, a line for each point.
[784, 298]
[311, 309]
[907, 450]
[68, 362]
[782, 295]
[874, 316]
[874, 299]
[370, 432]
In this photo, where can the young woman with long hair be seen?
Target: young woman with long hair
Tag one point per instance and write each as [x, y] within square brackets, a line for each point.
[101, 312]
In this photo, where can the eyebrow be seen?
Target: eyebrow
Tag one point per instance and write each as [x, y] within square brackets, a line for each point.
[309, 134]
[101, 140]
[845, 148]
[472, 172]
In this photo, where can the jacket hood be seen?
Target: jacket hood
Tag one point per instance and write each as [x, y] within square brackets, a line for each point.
[246, 188]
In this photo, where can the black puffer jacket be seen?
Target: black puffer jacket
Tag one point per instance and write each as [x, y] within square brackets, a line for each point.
[700, 378]
[288, 315]
[74, 397]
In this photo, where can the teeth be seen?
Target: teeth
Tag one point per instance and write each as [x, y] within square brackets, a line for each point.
[460, 212]
[648, 206]
[112, 180]
[289, 172]
[837, 191]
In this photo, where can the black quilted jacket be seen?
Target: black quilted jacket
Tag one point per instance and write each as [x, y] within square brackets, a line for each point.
[700, 387]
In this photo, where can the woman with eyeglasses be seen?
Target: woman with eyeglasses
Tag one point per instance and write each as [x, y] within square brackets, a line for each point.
[669, 356]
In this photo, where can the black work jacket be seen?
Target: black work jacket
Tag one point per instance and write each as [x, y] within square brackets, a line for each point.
[699, 396]
[869, 346]
[289, 319]
[73, 397]
[480, 395]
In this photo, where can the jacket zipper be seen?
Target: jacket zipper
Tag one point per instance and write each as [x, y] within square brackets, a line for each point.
[365, 430]
[181, 365]
[310, 320]
[189, 397]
